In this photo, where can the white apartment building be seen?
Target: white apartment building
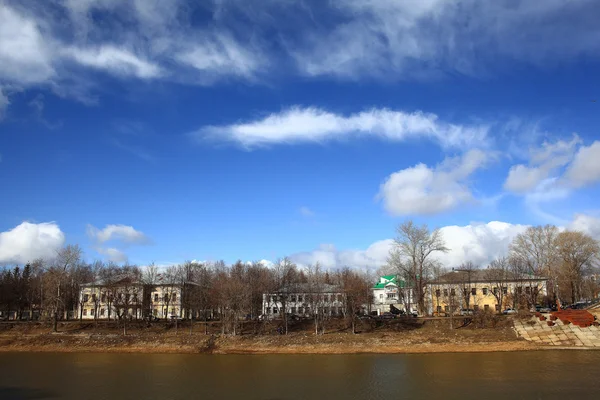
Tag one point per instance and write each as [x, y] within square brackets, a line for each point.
[302, 300]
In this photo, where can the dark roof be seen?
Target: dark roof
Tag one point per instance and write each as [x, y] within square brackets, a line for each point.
[483, 275]
[308, 288]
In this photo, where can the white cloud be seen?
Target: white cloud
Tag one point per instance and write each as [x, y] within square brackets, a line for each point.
[479, 243]
[122, 233]
[4, 102]
[306, 212]
[419, 38]
[112, 254]
[29, 241]
[544, 162]
[312, 124]
[424, 190]
[587, 224]
[585, 168]
[221, 55]
[25, 54]
[115, 60]
[120, 237]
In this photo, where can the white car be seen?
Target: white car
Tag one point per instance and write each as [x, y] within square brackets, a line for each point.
[509, 311]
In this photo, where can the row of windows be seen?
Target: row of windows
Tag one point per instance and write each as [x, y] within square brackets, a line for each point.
[306, 310]
[475, 308]
[301, 298]
[484, 291]
[92, 312]
[86, 297]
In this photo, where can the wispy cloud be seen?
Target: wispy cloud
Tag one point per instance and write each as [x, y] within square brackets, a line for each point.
[419, 39]
[112, 240]
[137, 151]
[306, 212]
[311, 124]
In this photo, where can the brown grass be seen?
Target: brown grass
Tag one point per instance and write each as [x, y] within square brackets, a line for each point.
[395, 336]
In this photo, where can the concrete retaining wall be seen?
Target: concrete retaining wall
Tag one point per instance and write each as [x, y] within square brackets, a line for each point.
[558, 335]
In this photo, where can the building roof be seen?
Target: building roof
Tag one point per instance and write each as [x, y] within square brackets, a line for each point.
[485, 275]
[386, 280]
[308, 288]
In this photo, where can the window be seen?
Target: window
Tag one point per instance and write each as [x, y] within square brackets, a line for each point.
[127, 297]
[92, 312]
[438, 293]
[446, 308]
[446, 292]
[519, 290]
[495, 290]
[439, 309]
[268, 310]
[135, 297]
[484, 291]
[94, 297]
[391, 296]
[293, 310]
[274, 310]
[300, 299]
[486, 307]
[504, 290]
[497, 307]
[293, 298]
[174, 297]
[102, 312]
[474, 291]
[528, 290]
[103, 298]
[85, 311]
[166, 298]
[155, 312]
[86, 297]
[156, 297]
[452, 292]
[381, 296]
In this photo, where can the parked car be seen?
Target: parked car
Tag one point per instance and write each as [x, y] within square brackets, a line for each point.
[467, 311]
[509, 311]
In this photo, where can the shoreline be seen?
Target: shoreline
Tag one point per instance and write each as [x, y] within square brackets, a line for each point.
[56, 343]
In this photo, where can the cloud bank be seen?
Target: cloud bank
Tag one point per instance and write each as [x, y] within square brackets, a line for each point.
[28, 241]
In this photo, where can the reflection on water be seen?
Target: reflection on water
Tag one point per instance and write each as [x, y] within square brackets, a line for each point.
[526, 375]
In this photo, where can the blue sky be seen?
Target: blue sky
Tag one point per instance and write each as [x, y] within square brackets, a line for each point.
[166, 131]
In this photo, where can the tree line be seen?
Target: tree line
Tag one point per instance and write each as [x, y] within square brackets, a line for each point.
[568, 259]
[50, 288]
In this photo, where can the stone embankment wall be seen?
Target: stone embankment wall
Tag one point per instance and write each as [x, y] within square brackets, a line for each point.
[560, 334]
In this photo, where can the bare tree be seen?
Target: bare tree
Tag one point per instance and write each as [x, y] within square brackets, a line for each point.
[356, 290]
[412, 256]
[577, 252]
[535, 251]
[497, 276]
[284, 273]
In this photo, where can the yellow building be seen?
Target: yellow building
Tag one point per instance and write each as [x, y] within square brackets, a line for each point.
[467, 291]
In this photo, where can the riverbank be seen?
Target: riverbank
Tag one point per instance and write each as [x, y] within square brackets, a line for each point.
[412, 336]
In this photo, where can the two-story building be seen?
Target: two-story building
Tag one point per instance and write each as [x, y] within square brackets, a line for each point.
[304, 300]
[483, 289]
[390, 294]
[129, 297]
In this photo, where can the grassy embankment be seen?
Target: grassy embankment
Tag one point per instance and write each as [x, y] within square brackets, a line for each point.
[393, 336]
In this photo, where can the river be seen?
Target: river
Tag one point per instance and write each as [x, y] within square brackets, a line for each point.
[520, 375]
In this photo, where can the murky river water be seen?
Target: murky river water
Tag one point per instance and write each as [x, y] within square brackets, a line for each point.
[486, 376]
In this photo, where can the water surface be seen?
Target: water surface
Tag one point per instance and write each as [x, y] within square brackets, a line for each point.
[486, 376]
